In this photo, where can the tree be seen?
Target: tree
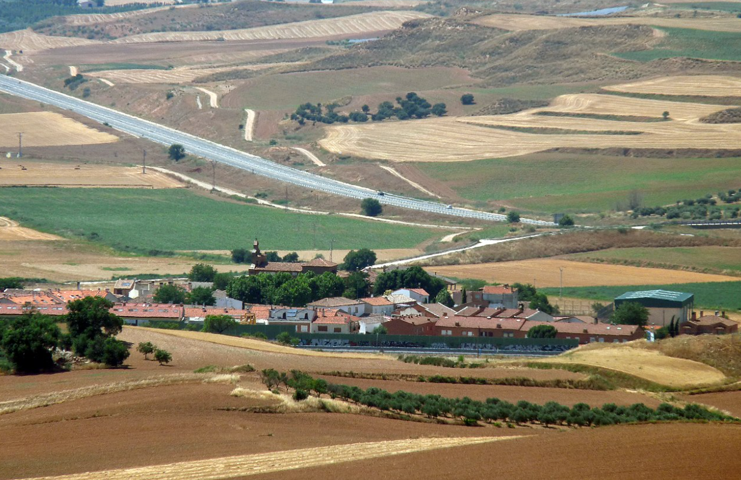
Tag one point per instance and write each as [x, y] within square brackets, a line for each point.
[326, 285]
[91, 317]
[291, 257]
[540, 302]
[566, 221]
[170, 294]
[467, 99]
[284, 338]
[201, 296]
[115, 352]
[272, 257]
[464, 296]
[439, 109]
[218, 323]
[525, 291]
[162, 356]
[542, 331]
[444, 297]
[412, 277]
[365, 109]
[145, 348]
[371, 207]
[358, 260]
[27, 342]
[631, 313]
[10, 282]
[240, 255]
[513, 217]
[221, 280]
[597, 307]
[356, 285]
[665, 115]
[176, 152]
[201, 272]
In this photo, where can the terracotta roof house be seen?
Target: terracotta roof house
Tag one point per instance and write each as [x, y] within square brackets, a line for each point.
[417, 325]
[378, 306]
[708, 324]
[144, 313]
[592, 332]
[400, 300]
[199, 314]
[335, 321]
[354, 307]
[429, 310]
[458, 326]
[15, 310]
[417, 294]
[70, 295]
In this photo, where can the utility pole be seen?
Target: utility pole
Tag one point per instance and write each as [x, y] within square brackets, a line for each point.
[213, 175]
[144, 162]
[560, 294]
[20, 144]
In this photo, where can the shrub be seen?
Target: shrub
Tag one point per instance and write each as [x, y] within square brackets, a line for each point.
[162, 356]
[371, 207]
[115, 352]
[467, 99]
[145, 348]
[300, 394]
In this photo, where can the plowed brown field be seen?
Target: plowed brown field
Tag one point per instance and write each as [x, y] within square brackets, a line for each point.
[469, 138]
[47, 129]
[543, 22]
[546, 273]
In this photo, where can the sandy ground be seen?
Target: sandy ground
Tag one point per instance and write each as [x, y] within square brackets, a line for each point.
[212, 97]
[653, 366]
[44, 129]
[249, 124]
[83, 175]
[546, 273]
[349, 25]
[10, 230]
[704, 85]
[543, 22]
[453, 139]
[310, 156]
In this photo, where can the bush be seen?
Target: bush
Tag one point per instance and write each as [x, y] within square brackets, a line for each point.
[300, 394]
[513, 217]
[371, 207]
[467, 99]
[145, 348]
[27, 342]
[176, 152]
[162, 356]
[218, 323]
[115, 352]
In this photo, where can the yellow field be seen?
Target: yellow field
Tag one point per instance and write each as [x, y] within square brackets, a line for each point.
[47, 129]
[451, 139]
[263, 463]
[103, 176]
[93, 18]
[176, 75]
[30, 41]
[650, 365]
[703, 85]
[349, 25]
[542, 22]
[546, 273]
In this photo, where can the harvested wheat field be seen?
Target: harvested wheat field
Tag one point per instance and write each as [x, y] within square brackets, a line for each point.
[48, 129]
[530, 131]
[649, 365]
[700, 85]
[95, 18]
[343, 26]
[30, 41]
[84, 175]
[543, 22]
[180, 75]
[546, 273]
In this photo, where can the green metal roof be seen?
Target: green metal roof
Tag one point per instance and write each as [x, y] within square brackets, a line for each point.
[660, 297]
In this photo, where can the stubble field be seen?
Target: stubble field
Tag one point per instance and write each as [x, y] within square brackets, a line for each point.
[39, 173]
[44, 129]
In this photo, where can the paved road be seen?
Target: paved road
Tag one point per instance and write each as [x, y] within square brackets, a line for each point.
[230, 156]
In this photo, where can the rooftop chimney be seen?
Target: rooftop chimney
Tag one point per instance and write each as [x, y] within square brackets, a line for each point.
[694, 316]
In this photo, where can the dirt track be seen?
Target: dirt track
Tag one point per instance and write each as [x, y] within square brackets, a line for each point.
[10, 230]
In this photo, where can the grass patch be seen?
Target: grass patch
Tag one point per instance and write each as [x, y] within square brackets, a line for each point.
[558, 131]
[716, 295]
[704, 259]
[685, 42]
[235, 369]
[584, 183]
[170, 220]
[115, 269]
[597, 116]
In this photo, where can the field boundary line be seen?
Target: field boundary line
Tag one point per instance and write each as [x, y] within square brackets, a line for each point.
[262, 463]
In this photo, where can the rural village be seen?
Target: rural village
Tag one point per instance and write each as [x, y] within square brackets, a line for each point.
[370, 239]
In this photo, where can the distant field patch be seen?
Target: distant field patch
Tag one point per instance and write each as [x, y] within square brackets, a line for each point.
[30, 41]
[287, 91]
[724, 295]
[732, 6]
[48, 129]
[546, 273]
[545, 22]
[557, 183]
[685, 42]
[721, 259]
[167, 220]
[693, 85]
[73, 175]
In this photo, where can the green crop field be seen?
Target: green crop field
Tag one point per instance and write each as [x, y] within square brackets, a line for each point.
[288, 91]
[167, 220]
[684, 42]
[720, 295]
[716, 259]
[584, 183]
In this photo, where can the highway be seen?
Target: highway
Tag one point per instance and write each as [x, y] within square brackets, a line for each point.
[229, 156]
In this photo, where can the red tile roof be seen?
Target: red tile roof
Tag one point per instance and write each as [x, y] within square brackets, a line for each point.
[334, 317]
[15, 309]
[418, 291]
[147, 310]
[710, 320]
[280, 267]
[376, 301]
[481, 322]
[70, 295]
[320, 262]
[588, 329]
[197, 312]
[334, 302]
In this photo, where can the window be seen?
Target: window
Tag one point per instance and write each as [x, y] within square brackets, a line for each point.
[601, 340]
[321, 328]
[304, 328]
[337, 330]
[592, 339]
